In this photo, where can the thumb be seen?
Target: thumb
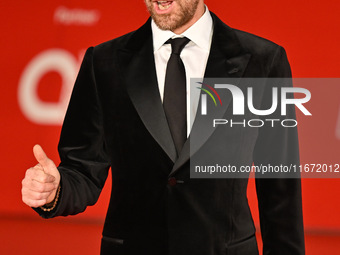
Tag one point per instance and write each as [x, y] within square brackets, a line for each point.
[40, 156]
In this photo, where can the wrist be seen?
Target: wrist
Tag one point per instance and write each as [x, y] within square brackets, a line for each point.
[51, 205]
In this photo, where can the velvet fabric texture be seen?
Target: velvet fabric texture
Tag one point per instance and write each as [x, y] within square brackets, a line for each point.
[116, 119]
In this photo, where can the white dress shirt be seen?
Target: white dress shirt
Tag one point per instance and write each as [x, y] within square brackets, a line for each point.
[194, 56]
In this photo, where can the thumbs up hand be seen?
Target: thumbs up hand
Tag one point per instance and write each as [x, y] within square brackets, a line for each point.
[39, 187]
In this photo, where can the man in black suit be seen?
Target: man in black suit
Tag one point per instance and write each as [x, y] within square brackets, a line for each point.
[117, 118]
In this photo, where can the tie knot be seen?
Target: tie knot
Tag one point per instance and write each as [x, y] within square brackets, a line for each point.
[178, 44]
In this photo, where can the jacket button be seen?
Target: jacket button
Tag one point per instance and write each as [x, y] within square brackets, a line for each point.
[172, 181]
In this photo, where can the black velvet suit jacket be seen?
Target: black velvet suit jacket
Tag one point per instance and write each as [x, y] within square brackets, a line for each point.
[116, 119]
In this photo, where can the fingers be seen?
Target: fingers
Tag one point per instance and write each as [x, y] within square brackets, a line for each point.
[41, 182]
[38, 186]
[35, 195]
[32, 202]
[40, 156]
[37, 174]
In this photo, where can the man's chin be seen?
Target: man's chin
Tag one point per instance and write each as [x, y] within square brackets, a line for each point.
[164, 22]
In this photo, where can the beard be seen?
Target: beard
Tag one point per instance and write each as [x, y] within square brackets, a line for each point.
[184, 13]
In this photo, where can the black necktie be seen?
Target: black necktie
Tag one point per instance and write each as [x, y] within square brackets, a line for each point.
[174, 101]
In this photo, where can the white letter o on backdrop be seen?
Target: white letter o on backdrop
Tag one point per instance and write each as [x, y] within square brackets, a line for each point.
[34, 109]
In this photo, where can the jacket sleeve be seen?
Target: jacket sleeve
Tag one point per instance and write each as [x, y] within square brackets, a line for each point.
[279, 196]
[84, 162]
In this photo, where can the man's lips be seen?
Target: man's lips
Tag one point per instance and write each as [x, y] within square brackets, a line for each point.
[163, 7]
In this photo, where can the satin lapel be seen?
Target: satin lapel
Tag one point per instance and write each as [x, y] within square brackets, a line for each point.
[138, 68]
[227, 59]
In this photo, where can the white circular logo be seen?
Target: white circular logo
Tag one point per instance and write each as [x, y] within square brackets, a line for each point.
[32, 106]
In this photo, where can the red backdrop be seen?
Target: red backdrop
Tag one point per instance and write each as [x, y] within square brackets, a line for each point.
[43, 42]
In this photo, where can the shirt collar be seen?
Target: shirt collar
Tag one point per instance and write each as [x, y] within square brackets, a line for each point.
[199, 33]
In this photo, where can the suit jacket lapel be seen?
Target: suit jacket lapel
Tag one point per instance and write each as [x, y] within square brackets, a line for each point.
[227, 59]
[138, 68]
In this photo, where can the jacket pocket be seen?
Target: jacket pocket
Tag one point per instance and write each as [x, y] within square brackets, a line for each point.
[246, 246]
[110, 245]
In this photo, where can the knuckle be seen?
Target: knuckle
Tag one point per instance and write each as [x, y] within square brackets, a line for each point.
[23, 191]
[26, 183]
[28, 173]
[31, 173]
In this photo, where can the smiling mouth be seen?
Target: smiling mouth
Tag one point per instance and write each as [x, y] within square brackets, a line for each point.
[164, 5]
